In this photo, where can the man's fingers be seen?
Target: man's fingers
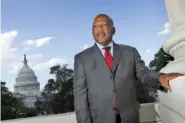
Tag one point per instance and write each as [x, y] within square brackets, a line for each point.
[169, 77]
[168, 87]
[164, 79]
[179, 74]
[175, 75]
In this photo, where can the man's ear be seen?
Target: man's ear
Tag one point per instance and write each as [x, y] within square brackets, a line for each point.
[113, 30]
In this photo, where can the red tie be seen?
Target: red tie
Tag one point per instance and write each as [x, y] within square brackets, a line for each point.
[108, 59]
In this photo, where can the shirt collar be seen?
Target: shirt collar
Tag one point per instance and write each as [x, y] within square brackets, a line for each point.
[101, 47]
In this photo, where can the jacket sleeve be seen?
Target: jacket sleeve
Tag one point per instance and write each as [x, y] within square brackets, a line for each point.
[144, 74]
[80, 93]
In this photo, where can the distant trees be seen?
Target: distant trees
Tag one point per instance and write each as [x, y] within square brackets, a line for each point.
[145, 94]
[58, 92]
[161, 59]
[12, 107]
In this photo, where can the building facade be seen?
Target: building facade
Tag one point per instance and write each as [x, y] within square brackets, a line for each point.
[27, 86]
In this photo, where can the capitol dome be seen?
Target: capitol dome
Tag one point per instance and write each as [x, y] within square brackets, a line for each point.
[26, 74]
[26, 80]
[26, 71]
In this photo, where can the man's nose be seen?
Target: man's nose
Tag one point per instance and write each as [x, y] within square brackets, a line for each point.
[100, 28]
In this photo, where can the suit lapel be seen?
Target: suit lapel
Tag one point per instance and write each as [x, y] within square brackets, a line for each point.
[98, 56]
[117, 52]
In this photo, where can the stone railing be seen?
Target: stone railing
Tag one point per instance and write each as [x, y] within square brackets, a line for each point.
[149, 113]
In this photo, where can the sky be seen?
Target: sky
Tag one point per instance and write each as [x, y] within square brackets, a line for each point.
[51, 32]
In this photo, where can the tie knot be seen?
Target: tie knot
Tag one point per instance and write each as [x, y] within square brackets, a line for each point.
[107, 48]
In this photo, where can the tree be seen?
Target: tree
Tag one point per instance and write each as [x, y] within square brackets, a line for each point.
[161, 60]
[11, 107]
[58, 92]
[145, 94]
[9, 104]
[39, 106]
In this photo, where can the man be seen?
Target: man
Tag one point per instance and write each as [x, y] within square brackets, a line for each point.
[106, 75]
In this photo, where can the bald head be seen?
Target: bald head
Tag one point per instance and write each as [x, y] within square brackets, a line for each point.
[109, 19]
[103, 29]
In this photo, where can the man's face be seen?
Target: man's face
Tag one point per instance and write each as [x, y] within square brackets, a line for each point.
[102, 30]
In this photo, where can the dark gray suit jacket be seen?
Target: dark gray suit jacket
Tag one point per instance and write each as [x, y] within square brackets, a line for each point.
[96, 87]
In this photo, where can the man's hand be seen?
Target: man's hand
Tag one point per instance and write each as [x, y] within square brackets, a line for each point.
[165, 78]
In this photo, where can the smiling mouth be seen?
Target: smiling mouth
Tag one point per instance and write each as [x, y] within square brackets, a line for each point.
[101, 35]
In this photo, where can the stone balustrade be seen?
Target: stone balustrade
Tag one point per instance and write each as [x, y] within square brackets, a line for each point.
[149, 113]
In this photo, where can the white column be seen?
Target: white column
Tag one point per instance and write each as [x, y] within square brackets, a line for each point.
[172, 108]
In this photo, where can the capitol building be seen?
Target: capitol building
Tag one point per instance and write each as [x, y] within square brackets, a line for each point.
[27, 86]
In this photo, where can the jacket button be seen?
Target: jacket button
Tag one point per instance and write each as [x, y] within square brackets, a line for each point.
[111, 77]
[115, 90]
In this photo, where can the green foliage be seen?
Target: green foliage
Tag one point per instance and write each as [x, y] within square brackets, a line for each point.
[12, 107]
[57, 94]
[161, 60]
[145, 94]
